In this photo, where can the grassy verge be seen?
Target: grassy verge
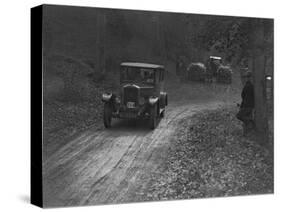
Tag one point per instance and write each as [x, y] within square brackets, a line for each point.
[72, 99]
[209, 157]
[64, 119]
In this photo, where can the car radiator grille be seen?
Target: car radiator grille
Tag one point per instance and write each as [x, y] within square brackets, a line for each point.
[130, 94]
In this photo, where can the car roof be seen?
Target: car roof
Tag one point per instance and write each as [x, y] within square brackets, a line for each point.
[141, 65]
[215, 57]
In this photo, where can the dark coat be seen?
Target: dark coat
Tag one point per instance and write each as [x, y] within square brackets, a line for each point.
[248, 97]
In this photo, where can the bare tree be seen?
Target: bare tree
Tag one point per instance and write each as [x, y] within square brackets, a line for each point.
[100, 41]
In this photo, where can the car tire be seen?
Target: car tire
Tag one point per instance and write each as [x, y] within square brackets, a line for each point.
[153, 117]
[107, 115]
[162, 115]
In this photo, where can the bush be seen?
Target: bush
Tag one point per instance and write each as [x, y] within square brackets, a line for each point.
[196, 72]
[97, 77]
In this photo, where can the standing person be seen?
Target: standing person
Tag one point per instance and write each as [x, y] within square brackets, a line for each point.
[245, 113]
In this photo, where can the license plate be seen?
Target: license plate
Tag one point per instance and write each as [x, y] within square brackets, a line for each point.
[130, 104]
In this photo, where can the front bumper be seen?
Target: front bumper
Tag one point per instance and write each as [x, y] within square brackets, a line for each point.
[132, 113]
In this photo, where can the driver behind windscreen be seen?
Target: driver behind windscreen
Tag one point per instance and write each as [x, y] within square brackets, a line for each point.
[148, 76]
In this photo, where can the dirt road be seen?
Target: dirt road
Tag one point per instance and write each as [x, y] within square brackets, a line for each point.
[99, 167]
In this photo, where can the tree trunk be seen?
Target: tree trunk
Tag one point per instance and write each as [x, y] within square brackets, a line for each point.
[258, 58]
[100, 42]
[159, 38]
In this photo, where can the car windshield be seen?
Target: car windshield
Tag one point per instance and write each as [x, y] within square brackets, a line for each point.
[134, 74]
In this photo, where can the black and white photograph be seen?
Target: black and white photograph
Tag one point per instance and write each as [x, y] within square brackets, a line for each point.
[141, 106]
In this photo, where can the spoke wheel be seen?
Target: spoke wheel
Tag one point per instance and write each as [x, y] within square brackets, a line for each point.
[162, 115]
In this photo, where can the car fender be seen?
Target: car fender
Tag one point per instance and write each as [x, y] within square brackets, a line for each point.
[106, 97]
[164, 98]
[152, 100]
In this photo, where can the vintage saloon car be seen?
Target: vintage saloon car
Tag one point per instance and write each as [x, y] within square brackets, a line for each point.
[141, 94]
[213, 64]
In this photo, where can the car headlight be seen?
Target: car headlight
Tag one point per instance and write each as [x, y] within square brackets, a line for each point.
[152, 100]
[106, 97]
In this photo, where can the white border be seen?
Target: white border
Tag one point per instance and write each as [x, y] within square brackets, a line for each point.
[15, 101]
